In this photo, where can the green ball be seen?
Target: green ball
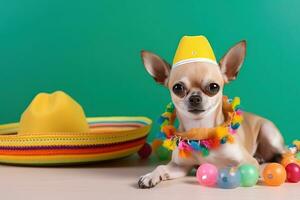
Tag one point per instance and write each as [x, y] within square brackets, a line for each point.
[298, 156]
[163, 153]
[249, 175]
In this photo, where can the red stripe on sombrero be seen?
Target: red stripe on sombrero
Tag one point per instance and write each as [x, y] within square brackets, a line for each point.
[91, 150]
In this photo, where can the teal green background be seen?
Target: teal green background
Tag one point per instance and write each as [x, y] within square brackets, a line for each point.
[90, 49]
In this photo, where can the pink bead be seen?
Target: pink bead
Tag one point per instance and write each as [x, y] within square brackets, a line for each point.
[293, 173]
[207, 174]
[239, 112]
[232, 131]
[184, 146]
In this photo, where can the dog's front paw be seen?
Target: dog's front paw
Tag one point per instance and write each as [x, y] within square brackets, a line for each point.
[149, 180]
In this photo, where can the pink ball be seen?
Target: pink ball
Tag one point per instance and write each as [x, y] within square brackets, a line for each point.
[207, 174]
[293, 173]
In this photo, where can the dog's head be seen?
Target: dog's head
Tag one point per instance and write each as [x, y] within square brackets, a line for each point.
[196, 88]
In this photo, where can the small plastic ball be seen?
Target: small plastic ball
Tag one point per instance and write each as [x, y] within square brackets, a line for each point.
[274, 174]
[145, 151]
[293, 173]
[163, 153]
[207, 174]
[287, 160]
[249, 175]
[229, 178]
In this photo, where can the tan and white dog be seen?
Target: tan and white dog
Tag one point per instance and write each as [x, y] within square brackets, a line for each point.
[196, 90]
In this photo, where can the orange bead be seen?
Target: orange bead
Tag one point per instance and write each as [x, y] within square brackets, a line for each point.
[155, 144]
[274, 174]
[230, 139]
[169, 130]
[215, 143]
[184, 154]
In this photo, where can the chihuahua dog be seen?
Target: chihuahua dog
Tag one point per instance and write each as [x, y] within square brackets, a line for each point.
[196, 90]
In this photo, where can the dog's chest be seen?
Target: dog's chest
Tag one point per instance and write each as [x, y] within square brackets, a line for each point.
[224, 156]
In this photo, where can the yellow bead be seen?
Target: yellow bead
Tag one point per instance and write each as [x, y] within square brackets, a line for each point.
[221, 132]
[169, 144]
[237, 119]
[235, 102]
[167, 114]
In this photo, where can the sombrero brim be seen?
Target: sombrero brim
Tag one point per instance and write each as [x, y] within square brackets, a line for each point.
[109, 138]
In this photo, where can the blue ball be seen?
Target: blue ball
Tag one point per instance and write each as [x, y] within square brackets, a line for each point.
[229, 178]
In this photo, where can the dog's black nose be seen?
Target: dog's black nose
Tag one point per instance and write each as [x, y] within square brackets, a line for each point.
[195, 100]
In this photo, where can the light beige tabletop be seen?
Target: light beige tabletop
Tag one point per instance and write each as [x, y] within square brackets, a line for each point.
[118, 180]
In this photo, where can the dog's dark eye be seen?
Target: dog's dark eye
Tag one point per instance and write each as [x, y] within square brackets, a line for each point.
[179, 90]
[212, 88]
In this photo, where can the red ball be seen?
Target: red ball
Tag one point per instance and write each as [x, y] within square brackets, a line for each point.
[293, 173]
[145, 151]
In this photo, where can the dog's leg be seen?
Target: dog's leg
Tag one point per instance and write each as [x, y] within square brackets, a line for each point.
[162, 173]
[270, 142]
[248, 158]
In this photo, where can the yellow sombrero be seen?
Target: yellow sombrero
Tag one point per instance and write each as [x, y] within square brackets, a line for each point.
[53, 130]
[193, 49]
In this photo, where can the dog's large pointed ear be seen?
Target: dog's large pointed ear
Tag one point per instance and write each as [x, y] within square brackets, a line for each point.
[156, 67]
[232, 61]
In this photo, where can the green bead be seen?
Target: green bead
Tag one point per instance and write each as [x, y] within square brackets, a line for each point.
[249, 175]
[170, 107]
[298, 156]
[165, 123]
[205, 152]
[223, 140]
[163, 153]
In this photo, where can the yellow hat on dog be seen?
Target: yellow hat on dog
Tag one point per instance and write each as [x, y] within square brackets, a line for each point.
[193, 49]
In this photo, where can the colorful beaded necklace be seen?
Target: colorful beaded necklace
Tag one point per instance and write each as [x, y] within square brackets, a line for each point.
[201, 140]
